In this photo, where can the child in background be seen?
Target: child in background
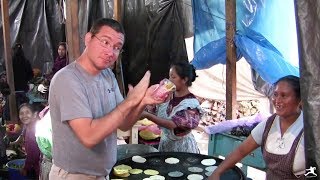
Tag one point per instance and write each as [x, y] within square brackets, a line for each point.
[28, 115]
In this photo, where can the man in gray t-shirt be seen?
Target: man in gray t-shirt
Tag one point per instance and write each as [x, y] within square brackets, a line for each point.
[87, 108]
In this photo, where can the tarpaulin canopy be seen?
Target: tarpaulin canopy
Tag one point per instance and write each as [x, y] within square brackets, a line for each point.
[272, 56]
[308, 16]
[38, 26]
[154, 38]
[156, 29]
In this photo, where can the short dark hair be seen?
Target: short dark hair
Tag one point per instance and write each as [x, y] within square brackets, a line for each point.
[115, 25]
[293, 81]
[185, 70]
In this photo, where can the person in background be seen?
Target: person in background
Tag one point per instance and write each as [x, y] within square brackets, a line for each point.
[5, 91]
[62, 60]
[29, 116]
[86, 116]
[22, 69]
[22, 74]
[280, 137]
[179, 115]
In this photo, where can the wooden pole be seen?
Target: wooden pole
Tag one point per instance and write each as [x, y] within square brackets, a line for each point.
[231, 101]
[118, 65]
[72, 29]
[117, 10]
[8, 60]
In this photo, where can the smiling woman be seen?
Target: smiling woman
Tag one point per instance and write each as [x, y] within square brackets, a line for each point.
[280, 137]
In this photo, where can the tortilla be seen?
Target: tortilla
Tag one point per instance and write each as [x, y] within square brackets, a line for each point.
[195, 169]
[192, 159]
[208, 162]
[135, 171]
[175, 174]
[121, 170]
[157, 177]
[195, 177]
[208, 173]
[172, 160]
[186, 164]
[211, 168]
[151, 172]
[138, 159]
[148, 135]
[121, 174]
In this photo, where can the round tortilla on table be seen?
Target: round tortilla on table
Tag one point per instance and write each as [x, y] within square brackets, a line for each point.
[157, 177]
[151, 172]
[175, 174]
[122, 170]
[195, 177]
[138, 159]
[208, 173]
[135, 171]
[208, 162]
[172, 160]
[211, 168]
[195, 169]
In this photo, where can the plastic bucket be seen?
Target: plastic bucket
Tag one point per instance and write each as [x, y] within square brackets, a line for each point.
[14, 167]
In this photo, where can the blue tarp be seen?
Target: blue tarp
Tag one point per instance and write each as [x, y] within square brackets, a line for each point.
[265, 36]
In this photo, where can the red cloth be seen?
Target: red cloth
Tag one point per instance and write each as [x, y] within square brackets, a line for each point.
[186, 119]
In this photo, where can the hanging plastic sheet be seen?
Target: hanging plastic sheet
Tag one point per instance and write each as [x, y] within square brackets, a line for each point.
[38, 26]
[154, 38]
[308, 24]
[263, 57]
[89, 11]
[252, 16]
[259, 52]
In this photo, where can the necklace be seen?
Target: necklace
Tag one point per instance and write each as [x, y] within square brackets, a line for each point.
[280, 141]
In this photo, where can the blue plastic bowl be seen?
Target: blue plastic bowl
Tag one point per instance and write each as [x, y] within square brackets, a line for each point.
[14, 167]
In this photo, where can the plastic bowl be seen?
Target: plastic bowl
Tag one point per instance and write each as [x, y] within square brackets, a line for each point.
[14, 168]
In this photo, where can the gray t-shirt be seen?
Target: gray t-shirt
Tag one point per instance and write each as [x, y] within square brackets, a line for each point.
[76, 94]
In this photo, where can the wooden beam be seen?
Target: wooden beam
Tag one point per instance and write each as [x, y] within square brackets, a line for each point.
[8, 60]
[72, 30]
[231, 93]
[117, 10]
[118, 65]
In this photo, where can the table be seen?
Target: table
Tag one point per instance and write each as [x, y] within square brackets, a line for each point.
[224, 143]
[156, 161]
[129, 150]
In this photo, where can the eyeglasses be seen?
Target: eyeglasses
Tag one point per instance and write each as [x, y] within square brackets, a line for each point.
[107, 44]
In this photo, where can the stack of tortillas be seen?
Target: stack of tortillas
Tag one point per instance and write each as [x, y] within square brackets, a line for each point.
[122, 170]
